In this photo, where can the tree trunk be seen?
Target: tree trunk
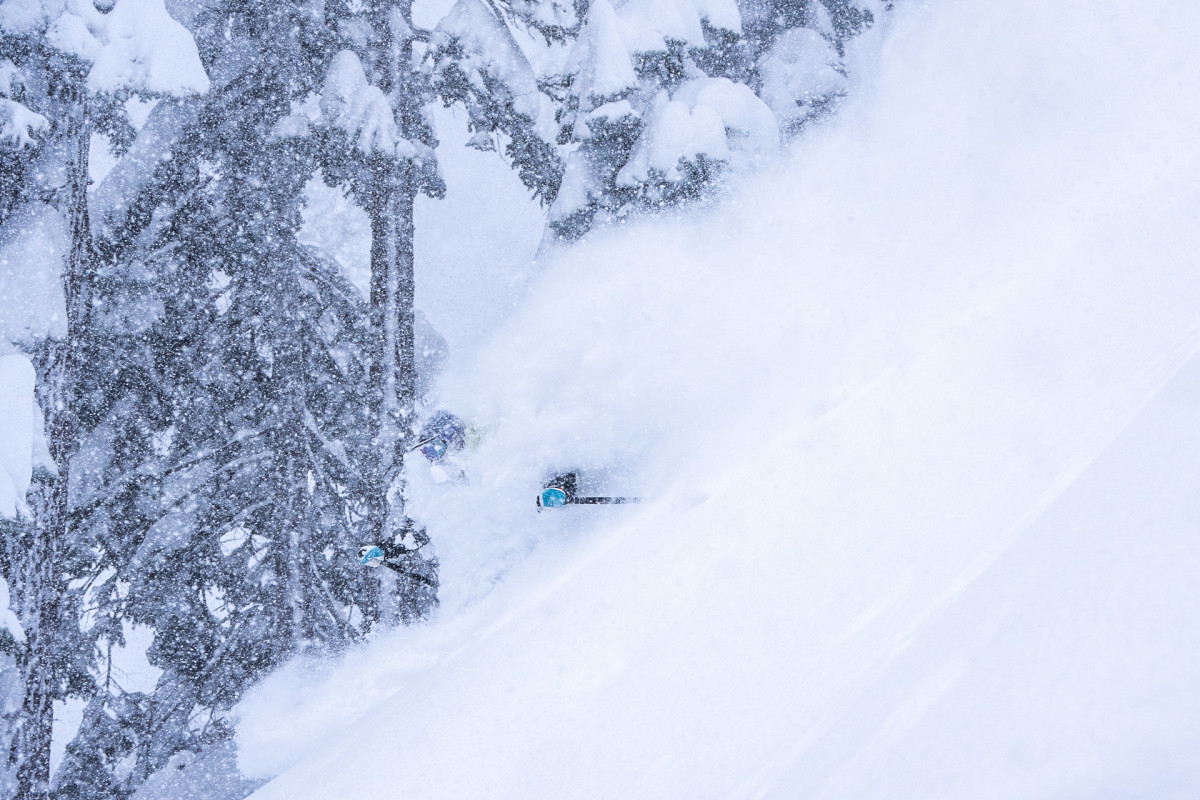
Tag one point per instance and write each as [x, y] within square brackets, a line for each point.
[295, 484]
[296, 599]
[393, 194]
[394, 187]
[58, 368]
[48, 501]
[393, 363]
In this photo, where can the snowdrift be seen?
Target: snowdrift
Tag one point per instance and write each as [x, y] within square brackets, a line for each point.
[920, 513]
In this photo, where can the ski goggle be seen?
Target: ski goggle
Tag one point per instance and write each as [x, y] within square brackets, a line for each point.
[552, 497]
[434, 449]
[371, 556]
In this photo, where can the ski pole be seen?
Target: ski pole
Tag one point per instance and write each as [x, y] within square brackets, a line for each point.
[597, 501]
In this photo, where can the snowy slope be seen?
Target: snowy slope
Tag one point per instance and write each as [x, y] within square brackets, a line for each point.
[895, 542]
[1066, 669]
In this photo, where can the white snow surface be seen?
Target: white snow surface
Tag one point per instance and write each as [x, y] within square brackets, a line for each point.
[33, 244]
[914, 421]
[16, 437]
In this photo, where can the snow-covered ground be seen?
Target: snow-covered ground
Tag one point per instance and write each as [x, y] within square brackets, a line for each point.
[915, 421]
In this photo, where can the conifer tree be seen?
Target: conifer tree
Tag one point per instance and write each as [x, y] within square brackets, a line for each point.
[230, 433]
[63, 68]
[241, 436]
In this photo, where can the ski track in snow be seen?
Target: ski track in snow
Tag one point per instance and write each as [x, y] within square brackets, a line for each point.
[880, 402]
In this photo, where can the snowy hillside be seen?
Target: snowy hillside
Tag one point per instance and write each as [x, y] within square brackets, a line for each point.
[914, 418]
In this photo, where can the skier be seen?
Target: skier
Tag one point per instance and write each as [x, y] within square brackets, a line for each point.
[407, 589]
[385, 555]
[402, 555]
[563, 490]
[443, 436]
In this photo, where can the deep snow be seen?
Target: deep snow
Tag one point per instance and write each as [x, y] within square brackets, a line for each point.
[920, 515]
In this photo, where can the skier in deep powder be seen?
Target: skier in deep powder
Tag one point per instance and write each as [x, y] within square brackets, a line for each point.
[563, 490]
[442, 435]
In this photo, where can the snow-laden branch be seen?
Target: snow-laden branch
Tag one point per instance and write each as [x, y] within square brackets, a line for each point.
[711, 117]
[485, 51]
[136, 46]
[799, 72]
[19, 125]
[649, 26]
[352, 104]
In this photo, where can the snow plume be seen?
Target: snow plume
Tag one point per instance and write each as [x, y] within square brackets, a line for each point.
[899, 538]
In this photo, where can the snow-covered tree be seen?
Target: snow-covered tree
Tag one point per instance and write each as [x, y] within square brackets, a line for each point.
[228, 406]
[243, 392]
[377, 140]
[796, 52]
[661, 98]
[651, 125]
[65, 66]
